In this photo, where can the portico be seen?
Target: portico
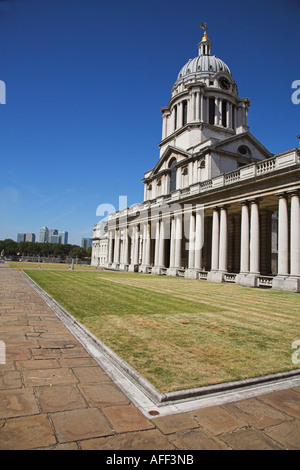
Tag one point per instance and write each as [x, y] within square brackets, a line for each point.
[228, 239]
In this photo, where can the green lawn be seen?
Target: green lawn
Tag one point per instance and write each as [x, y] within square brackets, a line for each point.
[181, 333]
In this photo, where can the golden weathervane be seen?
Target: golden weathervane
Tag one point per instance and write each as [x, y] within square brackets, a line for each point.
[203, 26]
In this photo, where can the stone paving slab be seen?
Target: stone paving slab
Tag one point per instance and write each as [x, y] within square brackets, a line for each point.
[53, 395]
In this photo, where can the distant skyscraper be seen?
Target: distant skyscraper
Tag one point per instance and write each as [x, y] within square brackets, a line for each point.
[53, 236]
[30, 237]
[44, 235]
[52, 231]
[63, 237]
[54, 239]
[86, 242]
[21, 237]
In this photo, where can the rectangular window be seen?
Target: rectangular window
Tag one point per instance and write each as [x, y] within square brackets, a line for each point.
[233, 117]
[224, 114]
[175, 117]
[212, 111]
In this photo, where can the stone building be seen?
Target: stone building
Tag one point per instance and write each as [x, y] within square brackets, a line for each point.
[217, 205]
[99, 245]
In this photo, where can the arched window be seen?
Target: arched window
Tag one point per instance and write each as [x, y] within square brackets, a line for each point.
[173, 174]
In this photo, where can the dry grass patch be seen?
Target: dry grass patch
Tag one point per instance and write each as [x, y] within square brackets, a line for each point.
[181, 333]
[41, 265]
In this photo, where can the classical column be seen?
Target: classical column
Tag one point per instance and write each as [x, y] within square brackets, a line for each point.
[132, 244]
[283, 236]
[215, 241]
[201, 110]
[148, 244]
[117, 248]
[199, 238]
[223, 244]
[228, 105]
[126, 246]
[174, 118]
[156, 254]
[164, 129]
[192, 107]
[144, 243]
[172, 244]
[121, 251]
[250, 245]
[110, 247]
[136, 245]
[192, 242]
[179, 114]
[292, 282]
[197, 105]
[178, 238]
[191, 166]
[219, 111]
[295, 235]
[163, 185]
[196, 239]
[161, 256]
[254, 238]
[245, 239]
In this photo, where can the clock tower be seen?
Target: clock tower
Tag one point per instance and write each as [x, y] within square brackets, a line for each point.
[204, 103]
[205, 130]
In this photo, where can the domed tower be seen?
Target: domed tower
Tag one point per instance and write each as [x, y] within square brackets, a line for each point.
[205, 127]
[204, 103]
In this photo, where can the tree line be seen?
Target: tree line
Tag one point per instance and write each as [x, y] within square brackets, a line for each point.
[20, 249]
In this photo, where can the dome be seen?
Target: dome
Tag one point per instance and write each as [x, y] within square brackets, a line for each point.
[203, 65]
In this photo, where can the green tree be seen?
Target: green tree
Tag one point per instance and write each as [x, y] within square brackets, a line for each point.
[89, 251]
[10, 247]
[78, 252]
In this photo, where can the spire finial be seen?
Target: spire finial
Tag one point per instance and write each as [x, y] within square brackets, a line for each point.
[203, 26]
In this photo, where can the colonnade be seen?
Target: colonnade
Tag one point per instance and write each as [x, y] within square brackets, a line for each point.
[197, 111]
[175, 244]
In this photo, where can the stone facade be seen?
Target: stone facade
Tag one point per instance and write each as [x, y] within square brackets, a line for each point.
[217, 205]
[99, 245]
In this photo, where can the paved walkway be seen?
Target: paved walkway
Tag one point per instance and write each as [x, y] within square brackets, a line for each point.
[54, 396]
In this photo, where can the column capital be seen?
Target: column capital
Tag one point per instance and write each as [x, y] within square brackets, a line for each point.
[255, 200]
[246, 202]
[224, 207]
[294, 192]
[197, 212]
[282, 194]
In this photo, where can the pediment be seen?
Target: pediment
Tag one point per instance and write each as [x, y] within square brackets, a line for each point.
[163, 162]
[245, 145]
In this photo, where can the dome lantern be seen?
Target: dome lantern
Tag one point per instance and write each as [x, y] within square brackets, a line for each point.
[205, 45]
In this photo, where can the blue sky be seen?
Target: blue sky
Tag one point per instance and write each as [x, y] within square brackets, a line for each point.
[85, 81]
